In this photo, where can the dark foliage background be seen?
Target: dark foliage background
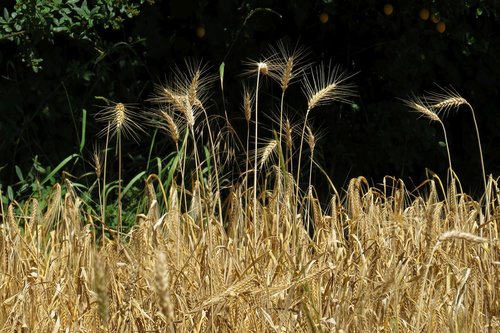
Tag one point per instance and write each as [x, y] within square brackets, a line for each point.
[55, 59]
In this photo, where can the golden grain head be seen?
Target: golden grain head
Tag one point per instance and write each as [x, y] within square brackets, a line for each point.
[97, 161]
[186, 91]
[311, 140]
[170, 126]
[120, 119]
[444, 100]
[248, 99]
[119, 115]
[325, 84]
[262, 68]
[456, 234]
[419, 105]
[267, 152]
[286, 64]
[254, 68]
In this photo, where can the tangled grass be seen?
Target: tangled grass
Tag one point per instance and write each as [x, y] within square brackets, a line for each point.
[383, 260]
[209, 255]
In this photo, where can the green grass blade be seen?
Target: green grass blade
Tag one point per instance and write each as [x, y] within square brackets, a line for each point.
[19, 173]
[151, 148]
[133, 181]
[84, 130]
[58, 168]
[221, 74]
[172, 168]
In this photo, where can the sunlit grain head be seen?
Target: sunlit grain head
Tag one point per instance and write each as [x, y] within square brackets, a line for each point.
[121, 118]
[287, 64]
[419, 105]
[325, 84]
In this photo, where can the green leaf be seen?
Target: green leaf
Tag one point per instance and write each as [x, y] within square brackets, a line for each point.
[84, 129]
[58, 168]
[133, 181]
[87, 75]
[38, 167]
[24, 188]
[110, 187]
[207, 157]
[19, 173]
[85, 9]
[221, 74]
[158, 165]
[60, 29]
[172, 166]
[10, 193]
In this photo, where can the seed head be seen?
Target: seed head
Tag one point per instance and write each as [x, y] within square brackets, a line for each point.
[121, 119]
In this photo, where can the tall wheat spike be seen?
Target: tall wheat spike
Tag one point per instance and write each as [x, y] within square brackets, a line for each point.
[260, 68]
[420, 106]
[449, 99]
[285, 66]
[121, 120]
[323, 85]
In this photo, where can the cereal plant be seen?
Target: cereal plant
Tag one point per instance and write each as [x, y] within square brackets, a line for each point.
[258, 252]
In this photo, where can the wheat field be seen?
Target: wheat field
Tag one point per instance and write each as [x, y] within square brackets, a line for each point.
[262, 253]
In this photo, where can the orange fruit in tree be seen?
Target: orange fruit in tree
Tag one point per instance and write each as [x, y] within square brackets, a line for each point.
[441, 27]
[424, 14]
[323, 17]
[200, 32]
[388, 9]
[435, 18]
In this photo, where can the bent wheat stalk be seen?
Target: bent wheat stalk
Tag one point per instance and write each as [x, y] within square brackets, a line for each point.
[324, 85]
[450, 99]
[418, 105]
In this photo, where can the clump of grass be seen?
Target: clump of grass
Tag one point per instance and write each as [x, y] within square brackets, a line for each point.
[384, 274]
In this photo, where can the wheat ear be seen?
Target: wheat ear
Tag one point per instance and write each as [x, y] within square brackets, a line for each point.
[418, 105]
[450, 99]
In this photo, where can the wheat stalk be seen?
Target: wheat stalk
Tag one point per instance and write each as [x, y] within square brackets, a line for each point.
[285, 65]
[120, 120]
[162, 285]
[419, 105]
[325, 84]
[448, 99]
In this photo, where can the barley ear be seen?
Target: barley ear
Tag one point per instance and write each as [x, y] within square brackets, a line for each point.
[162, 281]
